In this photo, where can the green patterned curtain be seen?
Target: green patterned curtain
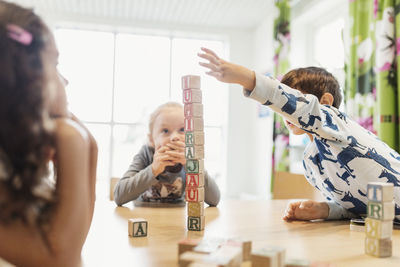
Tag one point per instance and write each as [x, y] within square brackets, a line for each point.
[360, 93]
[371, 82]
[280, 148]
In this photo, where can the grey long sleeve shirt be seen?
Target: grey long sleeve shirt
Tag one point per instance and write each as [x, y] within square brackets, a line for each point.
[139, 183]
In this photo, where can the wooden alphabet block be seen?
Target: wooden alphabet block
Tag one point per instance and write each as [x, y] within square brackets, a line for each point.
[188, 257]
[192, 96]
[297, 263]
[380, 192]
[378, 247]
[381, 210]
[203, 264]
[194, 194]
[244, 244]
[226, 255]
[190, 82]
[194, 124]
[209, 245]
[195, 180]
[137, 227]
[269, 256]
[195, 166]
[187, 245]
[194, 152]
[378, 229]
[194, 138]
[193, 110]
[195, 223]
[195, 209]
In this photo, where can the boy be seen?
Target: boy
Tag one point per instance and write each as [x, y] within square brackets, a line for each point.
[342, 157]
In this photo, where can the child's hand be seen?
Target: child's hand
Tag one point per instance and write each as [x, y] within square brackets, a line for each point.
[177, 152]
[306, 210]
[161, 160]
[227, 72]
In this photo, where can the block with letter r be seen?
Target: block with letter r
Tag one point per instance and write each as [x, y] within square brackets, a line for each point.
[195, 223]
[381, 210]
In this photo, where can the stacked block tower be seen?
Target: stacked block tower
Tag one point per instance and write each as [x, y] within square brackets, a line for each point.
[379, 224]
[194, 152]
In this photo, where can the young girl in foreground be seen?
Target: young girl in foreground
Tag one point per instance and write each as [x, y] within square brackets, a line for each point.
[156, 173]
[41, 224]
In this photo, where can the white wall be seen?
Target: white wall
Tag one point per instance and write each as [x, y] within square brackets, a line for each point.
[248, 138]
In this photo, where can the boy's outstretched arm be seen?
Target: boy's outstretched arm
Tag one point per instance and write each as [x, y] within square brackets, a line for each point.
[227, 72]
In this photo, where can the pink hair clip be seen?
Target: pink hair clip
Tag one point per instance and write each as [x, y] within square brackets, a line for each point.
[18, 34]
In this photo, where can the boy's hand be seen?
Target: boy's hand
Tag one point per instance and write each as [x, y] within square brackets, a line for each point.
[306, 210]
[227, 72]
[161, 160]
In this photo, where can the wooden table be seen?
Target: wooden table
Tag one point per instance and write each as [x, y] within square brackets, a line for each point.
[108, 243]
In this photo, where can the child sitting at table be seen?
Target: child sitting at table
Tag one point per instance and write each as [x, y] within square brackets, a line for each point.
[42, 222]
[156, 173]
[342, 157]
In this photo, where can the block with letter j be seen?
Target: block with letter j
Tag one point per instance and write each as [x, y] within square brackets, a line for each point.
[195, 166]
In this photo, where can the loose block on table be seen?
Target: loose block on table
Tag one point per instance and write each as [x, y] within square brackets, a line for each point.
[137, 227]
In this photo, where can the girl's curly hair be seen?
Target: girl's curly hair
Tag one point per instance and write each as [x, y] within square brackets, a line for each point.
[25, 133]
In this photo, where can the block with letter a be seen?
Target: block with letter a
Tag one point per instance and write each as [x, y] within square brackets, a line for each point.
[194, 180]
[192, 138]
[194, 152]
[137, 227]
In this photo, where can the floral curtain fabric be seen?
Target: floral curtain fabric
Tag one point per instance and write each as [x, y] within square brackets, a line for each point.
[371, 93]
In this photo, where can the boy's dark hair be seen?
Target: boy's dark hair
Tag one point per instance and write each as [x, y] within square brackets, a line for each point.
[26, 138]
[315, 81]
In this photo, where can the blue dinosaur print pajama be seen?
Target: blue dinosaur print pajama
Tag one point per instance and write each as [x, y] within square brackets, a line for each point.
[343, 156]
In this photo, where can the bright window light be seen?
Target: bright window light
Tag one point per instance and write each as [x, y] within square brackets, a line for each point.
[114, 89]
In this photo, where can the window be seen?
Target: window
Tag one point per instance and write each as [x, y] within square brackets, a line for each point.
[116, 80]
